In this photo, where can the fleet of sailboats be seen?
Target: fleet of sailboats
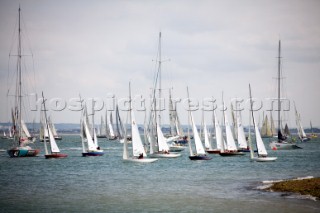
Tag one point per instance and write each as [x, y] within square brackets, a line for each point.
[232, 142]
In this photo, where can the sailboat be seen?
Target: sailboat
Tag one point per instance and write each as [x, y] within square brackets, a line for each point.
[230, 149]
[53, 129]
[266, 131]
[158, 143]
[109, 123]
[5, 136]
[162, 150]
[21, 140]
[200, 153]
[54, 149]
[262, 152]
[301, 133]
[313, 135]
[281, 143]
[176, 140]
[90, 146]
[43, 132]
[102, 131]
[138, 152]
[219, 138]
[242, 142]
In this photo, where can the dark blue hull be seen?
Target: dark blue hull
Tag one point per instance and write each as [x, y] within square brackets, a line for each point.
[200, 157]
[87, 154]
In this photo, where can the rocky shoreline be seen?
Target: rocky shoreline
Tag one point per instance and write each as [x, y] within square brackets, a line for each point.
[307, 186]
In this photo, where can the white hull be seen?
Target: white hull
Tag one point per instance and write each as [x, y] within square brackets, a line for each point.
[142, 160]
[163, 155]
[275, 145]
[264, 159]
[177, 148]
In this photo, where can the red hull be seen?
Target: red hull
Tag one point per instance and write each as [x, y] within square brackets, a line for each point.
[58, 155]
[213, 151]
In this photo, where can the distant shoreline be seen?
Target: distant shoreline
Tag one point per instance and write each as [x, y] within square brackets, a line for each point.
[304, 186]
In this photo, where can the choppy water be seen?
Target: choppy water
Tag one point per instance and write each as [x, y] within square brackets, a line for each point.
[107, 184]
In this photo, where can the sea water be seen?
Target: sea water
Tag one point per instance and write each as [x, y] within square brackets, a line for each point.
[108, 184]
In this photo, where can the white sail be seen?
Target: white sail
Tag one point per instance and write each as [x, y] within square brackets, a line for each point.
[260, 145]
[137, 146]
[219, 139]
[207, 142]
[82, 134]
[110, 124]
[25, 129]
[53, 128]
[197, 140]
[172, 117]
[102, 127]
[125, 154]
[44, 139]
[53, 145]
[91, 144]
[231, 145]
[95, 138]
[162, 142]
[242, 143]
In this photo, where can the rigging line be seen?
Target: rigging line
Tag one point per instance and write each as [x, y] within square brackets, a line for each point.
[26, 35]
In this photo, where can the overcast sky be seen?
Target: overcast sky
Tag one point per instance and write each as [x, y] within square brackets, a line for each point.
[94, 48]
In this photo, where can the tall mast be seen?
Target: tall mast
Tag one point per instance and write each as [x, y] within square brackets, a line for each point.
[93, 103]
[279, 76]
[159, 79]
[19, 80]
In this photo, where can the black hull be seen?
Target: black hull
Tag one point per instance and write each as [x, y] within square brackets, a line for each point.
[200, 157]
[231, 154]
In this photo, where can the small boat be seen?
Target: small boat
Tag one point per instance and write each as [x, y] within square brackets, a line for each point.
[4, 136]
[54, 130]
[262, 152]
[229, 149]
[139, 154]
[200, 153]
[219, 138]
[89, 139]
[301, 133]
[102, 131]
[163, 148]
[54, 149]
[313, 135]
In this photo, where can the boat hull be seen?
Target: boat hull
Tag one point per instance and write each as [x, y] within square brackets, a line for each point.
[20, 152]
[264, 159]
[200, 157]
[213, 151]
[231, 154]
[141, 160]
[275, 145]
[177, 148]
[246, 150]
[164, 155]
[56, 155]
[93, 153]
